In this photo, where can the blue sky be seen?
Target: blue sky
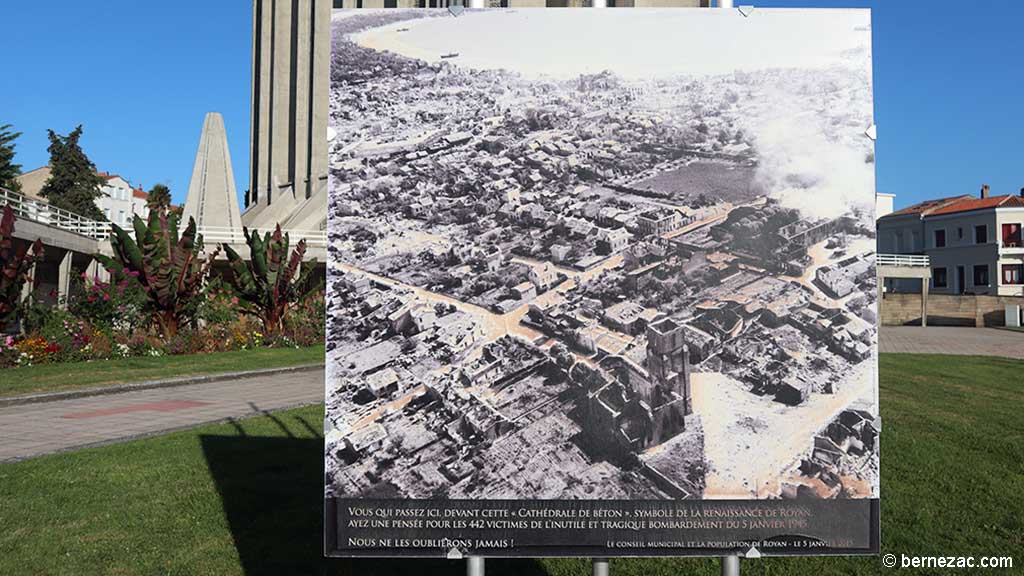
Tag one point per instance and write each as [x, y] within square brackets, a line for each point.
[949, 82]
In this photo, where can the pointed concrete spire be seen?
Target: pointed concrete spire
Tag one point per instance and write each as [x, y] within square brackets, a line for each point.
[212, 199]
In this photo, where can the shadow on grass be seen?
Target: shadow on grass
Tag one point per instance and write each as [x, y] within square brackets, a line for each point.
[271, 489]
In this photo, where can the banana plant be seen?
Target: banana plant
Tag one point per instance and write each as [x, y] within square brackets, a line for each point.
[271, 281]
[15, 266]
[169, 266]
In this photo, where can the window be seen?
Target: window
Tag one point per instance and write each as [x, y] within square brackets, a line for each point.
[960, 233]
[981, 275]
[1013, 273]
[939, 278]
[1011, 235]
[940, 238]
[981, 234]
[120, 217]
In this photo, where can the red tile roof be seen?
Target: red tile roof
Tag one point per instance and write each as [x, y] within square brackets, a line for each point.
[979, 204]
[138, 193]
[928, 206]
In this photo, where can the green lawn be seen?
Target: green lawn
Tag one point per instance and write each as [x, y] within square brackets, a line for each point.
[69, 376]
[245, 497]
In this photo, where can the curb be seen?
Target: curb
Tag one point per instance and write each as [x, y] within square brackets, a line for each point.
[150, 385]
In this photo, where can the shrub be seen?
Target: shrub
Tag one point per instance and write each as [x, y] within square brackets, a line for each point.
[166, 264]
[115, 305]
[9, 352]
[272, 280]
[102, 346]
[35, 315]
[14, 266]
[306, 324]
[219, 305]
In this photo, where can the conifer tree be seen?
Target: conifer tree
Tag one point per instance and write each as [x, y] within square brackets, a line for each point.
[8, 169]
[74, 184]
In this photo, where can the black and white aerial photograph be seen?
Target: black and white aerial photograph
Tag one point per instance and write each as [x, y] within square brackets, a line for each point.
[601, 255]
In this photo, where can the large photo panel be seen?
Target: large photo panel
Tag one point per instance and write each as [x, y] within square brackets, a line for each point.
[601, 283]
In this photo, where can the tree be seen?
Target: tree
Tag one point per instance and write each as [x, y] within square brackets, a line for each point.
[74, 184]
[271, 281]
[159, 197]
[168, 266]
[15, 266]
[9, 171]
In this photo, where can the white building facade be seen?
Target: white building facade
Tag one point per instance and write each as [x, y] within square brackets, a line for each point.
[974, 243]
[120, 201]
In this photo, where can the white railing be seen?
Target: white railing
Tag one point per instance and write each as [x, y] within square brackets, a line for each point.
[911, 260]
[36, 211]
[218, 234]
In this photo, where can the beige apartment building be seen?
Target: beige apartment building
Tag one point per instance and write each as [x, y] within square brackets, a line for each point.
[974, 243]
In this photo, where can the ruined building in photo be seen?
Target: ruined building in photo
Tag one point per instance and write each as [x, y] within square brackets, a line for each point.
[636, 408]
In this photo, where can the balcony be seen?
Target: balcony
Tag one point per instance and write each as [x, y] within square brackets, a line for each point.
[903, 260]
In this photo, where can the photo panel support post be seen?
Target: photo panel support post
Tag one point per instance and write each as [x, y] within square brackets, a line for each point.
[730, 566]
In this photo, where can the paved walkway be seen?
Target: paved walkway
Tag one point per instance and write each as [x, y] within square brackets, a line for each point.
[34, 429]
[943, 340]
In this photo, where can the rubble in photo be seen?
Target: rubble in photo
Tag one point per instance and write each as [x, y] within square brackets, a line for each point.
[595, 286]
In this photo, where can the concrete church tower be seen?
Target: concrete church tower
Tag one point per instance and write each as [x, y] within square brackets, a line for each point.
[212, 199]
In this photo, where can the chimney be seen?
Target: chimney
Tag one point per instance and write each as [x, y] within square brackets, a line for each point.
[984, 191]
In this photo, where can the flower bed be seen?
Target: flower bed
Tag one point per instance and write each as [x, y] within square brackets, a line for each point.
[107, 320]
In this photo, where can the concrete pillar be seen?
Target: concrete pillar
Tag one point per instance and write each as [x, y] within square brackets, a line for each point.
[881, 297]
[280, 113]
[924, 302]
[317, 170]
[96, 271]
[262, 83]
[64, 280]
[303, 76]
[30, 285]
